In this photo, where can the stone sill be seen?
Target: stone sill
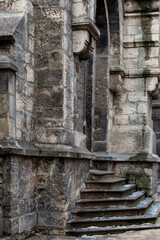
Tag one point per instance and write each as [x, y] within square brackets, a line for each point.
[127, 157]
[139, 14]
[43, 150]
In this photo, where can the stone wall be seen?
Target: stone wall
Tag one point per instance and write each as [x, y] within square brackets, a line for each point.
[19, 197]
[39, 193]
[17, 19]
[59, 182]
[1, 211]
[54, 71]
[132, 110]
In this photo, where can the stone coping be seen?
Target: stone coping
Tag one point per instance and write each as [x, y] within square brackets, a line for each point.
[43, 150]
[127, 157]
[7, 63]
[86, 24]
[9, 24]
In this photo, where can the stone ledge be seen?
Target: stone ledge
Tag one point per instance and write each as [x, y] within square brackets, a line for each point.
[7, 63]
[43, 150]
[139, 14]
[86, 24]
[127, 157]
[142, 73]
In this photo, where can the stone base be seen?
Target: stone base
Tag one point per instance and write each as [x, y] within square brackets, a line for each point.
[39, 192]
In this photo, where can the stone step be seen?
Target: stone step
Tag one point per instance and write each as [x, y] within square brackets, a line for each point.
[106, 184]
[131, 200]
[139, 209]
[105, 193]
[101, 226]
[109, 230]
[100, 175]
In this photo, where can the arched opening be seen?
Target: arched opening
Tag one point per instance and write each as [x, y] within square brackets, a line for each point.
[101, 79]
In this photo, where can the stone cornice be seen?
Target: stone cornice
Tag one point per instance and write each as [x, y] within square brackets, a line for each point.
[43, 150]
[86, 24]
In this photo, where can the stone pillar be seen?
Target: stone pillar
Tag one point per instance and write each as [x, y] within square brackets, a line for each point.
[7, 99]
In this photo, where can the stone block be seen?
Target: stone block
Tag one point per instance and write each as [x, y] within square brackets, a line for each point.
[137, 97]
[10, 226]
[27, 222]
[142, 108]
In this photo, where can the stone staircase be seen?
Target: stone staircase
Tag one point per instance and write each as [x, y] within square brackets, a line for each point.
[109, 204]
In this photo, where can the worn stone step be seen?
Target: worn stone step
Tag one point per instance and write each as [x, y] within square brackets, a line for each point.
[105, 193]
[100, 175]
[100, 224]
[109, 230]
[106, 202]
[139, 209]
[107, 184]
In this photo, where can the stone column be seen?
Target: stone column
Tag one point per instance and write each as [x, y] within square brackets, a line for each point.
[7, 99]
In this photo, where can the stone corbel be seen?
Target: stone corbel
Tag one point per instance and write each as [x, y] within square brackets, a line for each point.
[116, 78]
[155, 93]
[84, 31]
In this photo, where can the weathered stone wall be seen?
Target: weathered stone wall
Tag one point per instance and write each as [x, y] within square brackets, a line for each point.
[1, 211]
[18, 14]
[19, 196]
[59, 182]
[133, 127]
[37, 194]
[54, 73]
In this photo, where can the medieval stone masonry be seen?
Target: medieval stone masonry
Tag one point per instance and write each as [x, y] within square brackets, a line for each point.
[79, 116]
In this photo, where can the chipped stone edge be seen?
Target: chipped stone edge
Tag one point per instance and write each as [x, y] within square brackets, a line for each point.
[45, 150]
[129, 157]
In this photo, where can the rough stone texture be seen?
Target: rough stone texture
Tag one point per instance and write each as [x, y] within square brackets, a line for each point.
[19, 202]
[58, 186]
[1, 212]
[39, 193]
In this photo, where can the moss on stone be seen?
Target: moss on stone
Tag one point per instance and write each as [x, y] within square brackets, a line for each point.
[141, 179]
[139, 157]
